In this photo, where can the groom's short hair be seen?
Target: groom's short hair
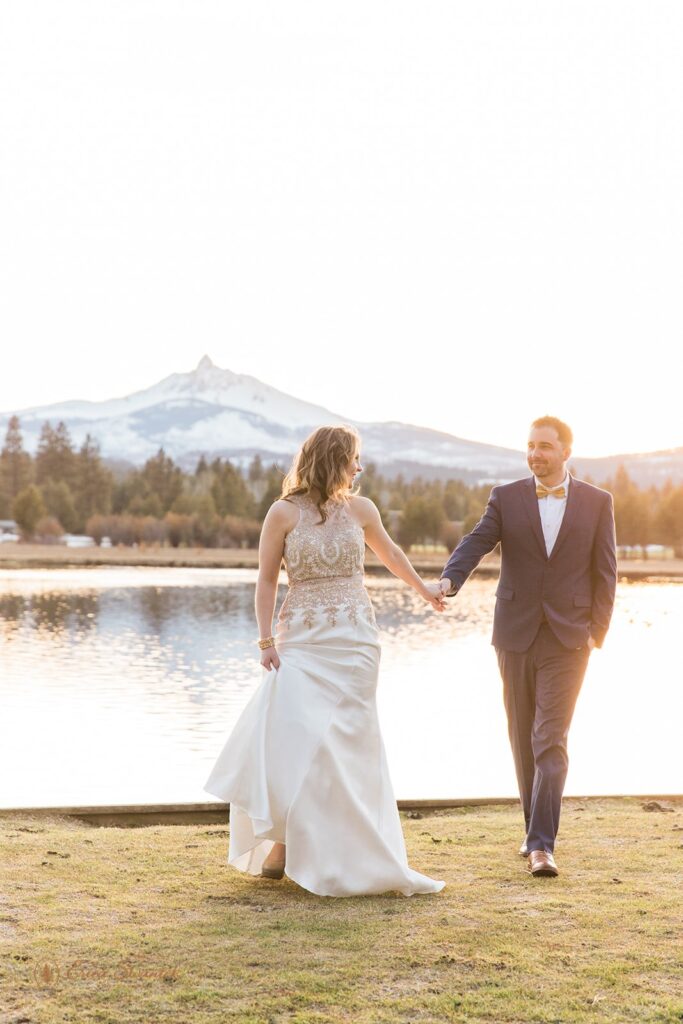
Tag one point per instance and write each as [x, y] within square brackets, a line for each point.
[564, 432]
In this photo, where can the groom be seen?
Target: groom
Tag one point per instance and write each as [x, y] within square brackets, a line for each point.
[554, 603]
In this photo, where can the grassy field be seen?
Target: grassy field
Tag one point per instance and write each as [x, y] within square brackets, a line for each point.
[40, 556]
[151, 925]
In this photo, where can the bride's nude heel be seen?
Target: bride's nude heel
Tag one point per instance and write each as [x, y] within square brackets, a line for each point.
[276, 870]
[272, 872]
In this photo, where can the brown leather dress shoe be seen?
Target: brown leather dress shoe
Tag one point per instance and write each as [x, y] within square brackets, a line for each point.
[542, 864]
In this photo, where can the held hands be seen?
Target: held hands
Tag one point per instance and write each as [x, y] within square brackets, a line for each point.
[433, 594]
[439, 589]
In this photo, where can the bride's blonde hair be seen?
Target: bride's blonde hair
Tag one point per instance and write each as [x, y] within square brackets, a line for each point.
[322, 463]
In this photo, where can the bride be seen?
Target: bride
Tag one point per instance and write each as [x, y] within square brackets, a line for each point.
[305, 770]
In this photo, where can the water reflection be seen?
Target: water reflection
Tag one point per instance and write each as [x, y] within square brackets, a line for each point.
[52, 611]
[127, 681]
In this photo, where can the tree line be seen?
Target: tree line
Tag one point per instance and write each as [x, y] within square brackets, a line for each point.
[64, 489]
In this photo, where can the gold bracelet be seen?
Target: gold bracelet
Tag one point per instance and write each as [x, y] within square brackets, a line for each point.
[269, 641]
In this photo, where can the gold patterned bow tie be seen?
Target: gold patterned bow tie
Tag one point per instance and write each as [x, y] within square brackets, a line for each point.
[555, 492]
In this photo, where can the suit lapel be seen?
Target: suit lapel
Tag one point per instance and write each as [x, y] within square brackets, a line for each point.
[570, 512]
[530, 502]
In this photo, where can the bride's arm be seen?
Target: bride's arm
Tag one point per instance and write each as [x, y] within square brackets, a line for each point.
[271, 548]
[391, 555]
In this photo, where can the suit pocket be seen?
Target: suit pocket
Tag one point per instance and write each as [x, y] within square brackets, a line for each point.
[583, 600]
[507, 593]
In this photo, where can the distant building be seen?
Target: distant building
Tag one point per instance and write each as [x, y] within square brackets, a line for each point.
[8, 530]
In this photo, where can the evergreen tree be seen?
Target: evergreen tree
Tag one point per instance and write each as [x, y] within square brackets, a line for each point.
[163, 478]
[229, 490]
[184, 505]
[15, 467]
[397, 496]
[422, 520]
[207, 522]
[124, 491]
[147, 505]
[632, 513]
[59, 503]
[272, 491]
[669, 522]
[455, 500]
[94, 483]
[55, 457]
[370, 487]
[256, 471]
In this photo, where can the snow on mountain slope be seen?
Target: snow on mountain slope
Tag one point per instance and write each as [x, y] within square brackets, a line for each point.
[208, 384]
[206, 409]
[213, 411]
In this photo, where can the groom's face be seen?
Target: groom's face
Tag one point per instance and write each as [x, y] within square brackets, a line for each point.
[546, 455]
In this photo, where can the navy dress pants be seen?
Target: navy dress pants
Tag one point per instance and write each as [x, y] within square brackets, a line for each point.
[540, 689]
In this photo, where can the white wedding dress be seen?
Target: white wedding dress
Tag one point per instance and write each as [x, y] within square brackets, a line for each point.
[305, 764]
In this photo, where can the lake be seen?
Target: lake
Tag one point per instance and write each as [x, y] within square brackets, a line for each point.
[120, 685]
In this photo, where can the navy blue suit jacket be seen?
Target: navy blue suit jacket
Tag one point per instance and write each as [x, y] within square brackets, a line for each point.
[574, 588]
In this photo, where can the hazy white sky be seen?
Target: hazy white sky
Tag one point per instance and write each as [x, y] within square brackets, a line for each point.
[460, 215]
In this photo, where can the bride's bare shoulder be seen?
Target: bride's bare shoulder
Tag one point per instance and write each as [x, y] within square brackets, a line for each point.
[283, 512]
[364, 509]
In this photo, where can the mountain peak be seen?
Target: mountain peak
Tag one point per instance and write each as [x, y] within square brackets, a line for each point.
[218, 412]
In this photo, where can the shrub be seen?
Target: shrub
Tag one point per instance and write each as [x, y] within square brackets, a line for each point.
[451, 534]
[49, 530]
[179, 529]
[96, 527]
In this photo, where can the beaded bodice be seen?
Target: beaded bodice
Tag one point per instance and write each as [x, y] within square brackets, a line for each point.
[315, 550]
[324, 564]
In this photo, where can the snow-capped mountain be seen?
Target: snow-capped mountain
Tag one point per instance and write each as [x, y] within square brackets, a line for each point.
[212, 411]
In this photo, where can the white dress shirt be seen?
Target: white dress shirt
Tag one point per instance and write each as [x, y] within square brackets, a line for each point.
[552, 512]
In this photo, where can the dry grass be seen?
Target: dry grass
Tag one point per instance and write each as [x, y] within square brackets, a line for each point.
[41, 556]
[28, 556]
[150, 924]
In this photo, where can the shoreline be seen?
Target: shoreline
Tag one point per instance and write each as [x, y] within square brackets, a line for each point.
[48, 556]
[212, 812]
